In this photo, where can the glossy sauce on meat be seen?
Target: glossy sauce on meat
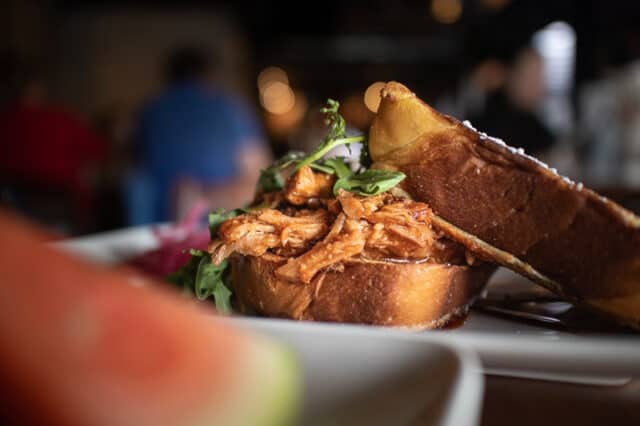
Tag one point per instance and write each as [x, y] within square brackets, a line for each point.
[381, 227]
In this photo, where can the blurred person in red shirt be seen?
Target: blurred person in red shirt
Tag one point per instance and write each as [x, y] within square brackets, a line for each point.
[49, 160]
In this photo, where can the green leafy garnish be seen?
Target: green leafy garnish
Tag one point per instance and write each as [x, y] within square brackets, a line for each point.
[365, 156]
[335, 137]
[271, 178]
[209, 282]
[367, 183]
[204, 279]
[337, 124]
[370, 182]
[186, 275]
[338, 166]
[200, 277]
[319, 166]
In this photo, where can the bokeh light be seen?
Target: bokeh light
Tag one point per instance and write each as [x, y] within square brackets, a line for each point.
[495, 4]
[277, 98]
[280, 125]
[271, 75]
[446, 11]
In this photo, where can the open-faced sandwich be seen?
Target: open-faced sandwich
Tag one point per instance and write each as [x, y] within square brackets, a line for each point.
[327, 240]
[410, 235]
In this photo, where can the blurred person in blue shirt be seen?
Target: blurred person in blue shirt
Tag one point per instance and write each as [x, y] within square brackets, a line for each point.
[194, 141]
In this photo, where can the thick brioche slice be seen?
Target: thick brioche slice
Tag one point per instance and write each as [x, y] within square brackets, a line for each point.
[511, 208]
[416, 295]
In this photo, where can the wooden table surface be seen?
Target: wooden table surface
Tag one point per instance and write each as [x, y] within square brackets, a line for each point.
[522, 402]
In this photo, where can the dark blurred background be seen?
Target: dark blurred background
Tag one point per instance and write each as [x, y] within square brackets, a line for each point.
[121, 113]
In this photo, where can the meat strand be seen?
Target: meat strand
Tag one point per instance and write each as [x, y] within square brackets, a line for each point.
[379, 227]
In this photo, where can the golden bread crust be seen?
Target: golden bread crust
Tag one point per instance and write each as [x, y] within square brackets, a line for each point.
[416, 295]
[568, 238]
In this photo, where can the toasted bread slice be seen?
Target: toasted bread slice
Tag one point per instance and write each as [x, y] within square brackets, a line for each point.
[415, 295]
[511, 208]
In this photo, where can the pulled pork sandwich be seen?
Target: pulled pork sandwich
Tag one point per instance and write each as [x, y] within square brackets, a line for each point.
[323, 242]
[409, 238]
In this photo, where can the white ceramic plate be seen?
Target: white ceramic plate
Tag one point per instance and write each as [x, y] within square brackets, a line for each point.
[356, 376]
[505, 347]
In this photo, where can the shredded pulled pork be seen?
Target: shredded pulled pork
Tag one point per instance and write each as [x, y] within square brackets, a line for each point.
[382, 227]
[347, 238]
[254, 233]
[307, 186]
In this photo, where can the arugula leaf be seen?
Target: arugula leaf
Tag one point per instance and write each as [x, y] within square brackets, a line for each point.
[325, 147]
[207, 277]
[338, 166]
[222, 296]
[186, 275]
[209, 282]
[322, 168]
[335, 137]
[365, 156]
[370, 182]
[270, 180]
[204, 279]
[366, 183]
[335, 121]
